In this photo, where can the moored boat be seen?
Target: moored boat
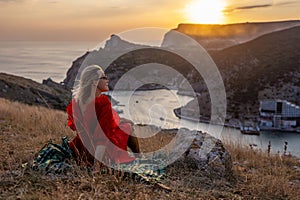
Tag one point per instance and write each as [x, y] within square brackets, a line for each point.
[250, 127]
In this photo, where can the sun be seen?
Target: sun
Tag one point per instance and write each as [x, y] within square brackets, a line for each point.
[205, 11]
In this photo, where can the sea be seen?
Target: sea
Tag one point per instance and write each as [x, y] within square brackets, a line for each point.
[43, 60]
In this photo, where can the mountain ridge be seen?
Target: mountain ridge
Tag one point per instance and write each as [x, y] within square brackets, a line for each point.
[220, 36]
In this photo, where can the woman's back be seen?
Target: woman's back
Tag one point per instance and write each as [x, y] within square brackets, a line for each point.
[101, 124]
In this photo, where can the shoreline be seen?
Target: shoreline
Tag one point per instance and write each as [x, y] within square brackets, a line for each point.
[235, 126]
[226, 123]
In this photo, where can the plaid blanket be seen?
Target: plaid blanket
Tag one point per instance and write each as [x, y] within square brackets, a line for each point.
[56, 158]
[144, 169]
[53, 158]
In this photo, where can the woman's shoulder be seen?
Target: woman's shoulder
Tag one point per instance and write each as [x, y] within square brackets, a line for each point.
[70, 105]
[102, 99]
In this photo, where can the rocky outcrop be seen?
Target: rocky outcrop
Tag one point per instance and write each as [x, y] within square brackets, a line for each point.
[73, 70]
[190, 149]
[210, 155]
[130, 57]
[204, 153]
[48, 94]
[102, 57]
[115, 43]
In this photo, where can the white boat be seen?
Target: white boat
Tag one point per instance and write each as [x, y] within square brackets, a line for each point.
[250, 127]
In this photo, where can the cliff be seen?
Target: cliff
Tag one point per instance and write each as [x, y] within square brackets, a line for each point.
[217, 37]
[48, 94]
[119, 57]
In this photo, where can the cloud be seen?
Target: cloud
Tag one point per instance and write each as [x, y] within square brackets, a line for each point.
[253, 6]
[286, 3]
[248, 7]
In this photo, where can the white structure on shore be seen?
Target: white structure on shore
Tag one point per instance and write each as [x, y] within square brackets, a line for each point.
[279, 114]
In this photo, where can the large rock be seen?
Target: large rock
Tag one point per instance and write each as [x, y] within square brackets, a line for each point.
[210, 155]
[206, 153]
[187, 149]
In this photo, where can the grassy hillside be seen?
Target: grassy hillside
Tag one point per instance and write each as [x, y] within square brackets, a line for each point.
[267, 67]
[269, 60]
[24, 129]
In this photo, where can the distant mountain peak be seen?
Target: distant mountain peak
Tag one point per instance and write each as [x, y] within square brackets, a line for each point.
[116, 43]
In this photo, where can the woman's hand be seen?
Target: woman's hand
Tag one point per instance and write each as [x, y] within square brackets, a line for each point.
[124, 120]
[99, 153]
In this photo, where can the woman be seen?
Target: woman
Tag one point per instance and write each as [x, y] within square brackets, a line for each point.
[100, 134]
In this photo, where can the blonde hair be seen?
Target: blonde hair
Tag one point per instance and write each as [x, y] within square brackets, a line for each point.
[88, 77]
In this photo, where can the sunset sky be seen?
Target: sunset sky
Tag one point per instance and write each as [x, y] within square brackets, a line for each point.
[97, 19]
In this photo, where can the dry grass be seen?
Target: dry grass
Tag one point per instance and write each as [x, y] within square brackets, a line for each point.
[24, 130]
[151, 138]
[265, 176]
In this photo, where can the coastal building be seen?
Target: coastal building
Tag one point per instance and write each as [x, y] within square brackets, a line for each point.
[279, 115]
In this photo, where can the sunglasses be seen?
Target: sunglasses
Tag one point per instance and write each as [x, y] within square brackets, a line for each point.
[104, 78]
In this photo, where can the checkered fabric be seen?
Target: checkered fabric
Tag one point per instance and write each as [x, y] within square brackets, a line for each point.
[55, 158]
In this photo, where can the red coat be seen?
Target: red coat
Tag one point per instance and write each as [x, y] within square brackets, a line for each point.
[98, 125]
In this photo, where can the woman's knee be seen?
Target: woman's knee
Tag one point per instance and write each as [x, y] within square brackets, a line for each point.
[133, 144]
[126, 127]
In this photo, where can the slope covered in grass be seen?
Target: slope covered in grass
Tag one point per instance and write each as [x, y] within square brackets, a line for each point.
[24, 130]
